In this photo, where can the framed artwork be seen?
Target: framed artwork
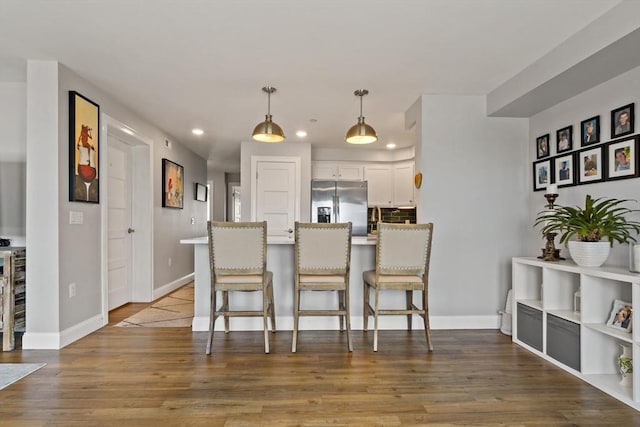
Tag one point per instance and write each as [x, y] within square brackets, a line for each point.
[621, 315]
[565, 171]
[201, 192]
[622, 120]
[590, 165]
[172, 185]
[564, 139]
[590, 131]
[622, 159]
[84, 149]
[542, 173]
[542, 146]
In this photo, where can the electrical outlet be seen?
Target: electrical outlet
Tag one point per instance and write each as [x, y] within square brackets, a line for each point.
[169, 262]
[72, 290]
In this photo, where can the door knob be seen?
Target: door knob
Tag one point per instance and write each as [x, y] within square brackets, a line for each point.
[130, 230]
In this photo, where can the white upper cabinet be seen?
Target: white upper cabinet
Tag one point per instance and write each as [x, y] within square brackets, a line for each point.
[403, 184]
[336, 171]
[379, 184]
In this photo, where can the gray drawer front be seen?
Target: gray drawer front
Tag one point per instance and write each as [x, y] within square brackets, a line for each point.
[530, 326]
[563, 341]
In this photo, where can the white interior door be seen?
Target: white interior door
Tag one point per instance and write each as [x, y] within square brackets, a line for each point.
[119, 223]
[276, 196]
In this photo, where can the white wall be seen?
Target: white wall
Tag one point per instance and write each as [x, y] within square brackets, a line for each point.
[218, 195]
[599, 100]
[473, 190]
[291, 149]
[13, 153]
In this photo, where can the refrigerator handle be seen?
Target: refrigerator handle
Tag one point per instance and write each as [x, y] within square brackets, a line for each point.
[336, 208]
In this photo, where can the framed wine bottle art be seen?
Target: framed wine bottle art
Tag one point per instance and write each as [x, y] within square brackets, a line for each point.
[84, 149]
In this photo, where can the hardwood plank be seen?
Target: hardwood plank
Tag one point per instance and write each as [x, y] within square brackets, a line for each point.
[143, 376]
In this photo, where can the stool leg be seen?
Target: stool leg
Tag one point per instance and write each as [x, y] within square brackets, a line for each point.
[212, 320]
[265, 316]
[225, 305]
[273, 309]
[409, 296]
[348, 316]
[341, 307]
[425, 306]
[365, 310]
[375, 319]
[296, 314]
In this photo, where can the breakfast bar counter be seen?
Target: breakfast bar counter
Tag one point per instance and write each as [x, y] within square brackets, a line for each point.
[280, 262]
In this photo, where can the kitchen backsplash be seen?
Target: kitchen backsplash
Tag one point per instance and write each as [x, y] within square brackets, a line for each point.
[393, 215]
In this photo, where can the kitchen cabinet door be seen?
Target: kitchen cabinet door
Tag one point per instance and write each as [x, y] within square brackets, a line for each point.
[350, 172]
[403, 184]
[379, 181]
[323, 170]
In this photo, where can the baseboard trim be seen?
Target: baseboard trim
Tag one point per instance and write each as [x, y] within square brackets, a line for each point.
[170, 287]
[321, 323]
[58, 340]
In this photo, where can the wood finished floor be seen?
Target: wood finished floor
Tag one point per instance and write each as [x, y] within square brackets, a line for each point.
[161, 376]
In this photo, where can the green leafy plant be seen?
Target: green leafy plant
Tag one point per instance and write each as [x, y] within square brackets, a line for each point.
[598, 218]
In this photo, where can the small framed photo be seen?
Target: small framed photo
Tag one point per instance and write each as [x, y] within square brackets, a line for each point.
[201, 192]
[621, 315]
[542, 174]
[542, 146]
[622, 159]
[565, 171]
[590, 164]
[564, 139]
[590, 131]
[622, 120]
[172, 185]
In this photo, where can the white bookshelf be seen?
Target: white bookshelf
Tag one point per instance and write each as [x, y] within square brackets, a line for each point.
[549, 287]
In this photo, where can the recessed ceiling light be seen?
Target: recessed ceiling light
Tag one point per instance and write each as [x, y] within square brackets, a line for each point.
[301, 134]
[391, 146]
[197, 131]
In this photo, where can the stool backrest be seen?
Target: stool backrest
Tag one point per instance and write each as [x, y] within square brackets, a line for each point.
[322, 248]
[403, 249]
[237, 247]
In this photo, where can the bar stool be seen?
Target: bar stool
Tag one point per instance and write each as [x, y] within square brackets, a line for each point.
[322, 259]
[402, 263]
[238, 262]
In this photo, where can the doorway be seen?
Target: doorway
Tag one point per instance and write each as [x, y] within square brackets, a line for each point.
[127, 220]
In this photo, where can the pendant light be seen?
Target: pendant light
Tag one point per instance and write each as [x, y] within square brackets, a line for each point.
[361, 133]
[268, 131]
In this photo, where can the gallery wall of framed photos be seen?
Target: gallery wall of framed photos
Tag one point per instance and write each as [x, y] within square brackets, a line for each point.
[590, 154]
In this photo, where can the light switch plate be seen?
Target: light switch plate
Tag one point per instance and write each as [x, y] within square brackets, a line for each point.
[76, 218]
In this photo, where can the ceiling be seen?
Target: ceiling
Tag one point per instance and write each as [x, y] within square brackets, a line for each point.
[202, 63]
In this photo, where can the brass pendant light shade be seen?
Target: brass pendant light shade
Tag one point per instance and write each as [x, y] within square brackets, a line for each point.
[268, 131]
[361, 133]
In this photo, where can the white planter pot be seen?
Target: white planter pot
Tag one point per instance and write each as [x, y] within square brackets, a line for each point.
[589, 254]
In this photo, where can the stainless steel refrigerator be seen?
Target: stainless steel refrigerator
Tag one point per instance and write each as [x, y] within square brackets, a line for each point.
[340, 201]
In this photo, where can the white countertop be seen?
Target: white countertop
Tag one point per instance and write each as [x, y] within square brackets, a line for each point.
[277, 240]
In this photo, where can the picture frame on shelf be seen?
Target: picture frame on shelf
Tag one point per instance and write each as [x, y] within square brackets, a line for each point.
[621, 316]
[622, 158]
[542, 174]
[172, 185]
[542, 146]
[564, 170]
[622, 121]
[84, 149]
[590, 131]
[201, 192]
[564, 139]
[590, 165]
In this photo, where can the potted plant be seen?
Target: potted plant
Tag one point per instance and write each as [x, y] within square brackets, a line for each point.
[602, 217]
